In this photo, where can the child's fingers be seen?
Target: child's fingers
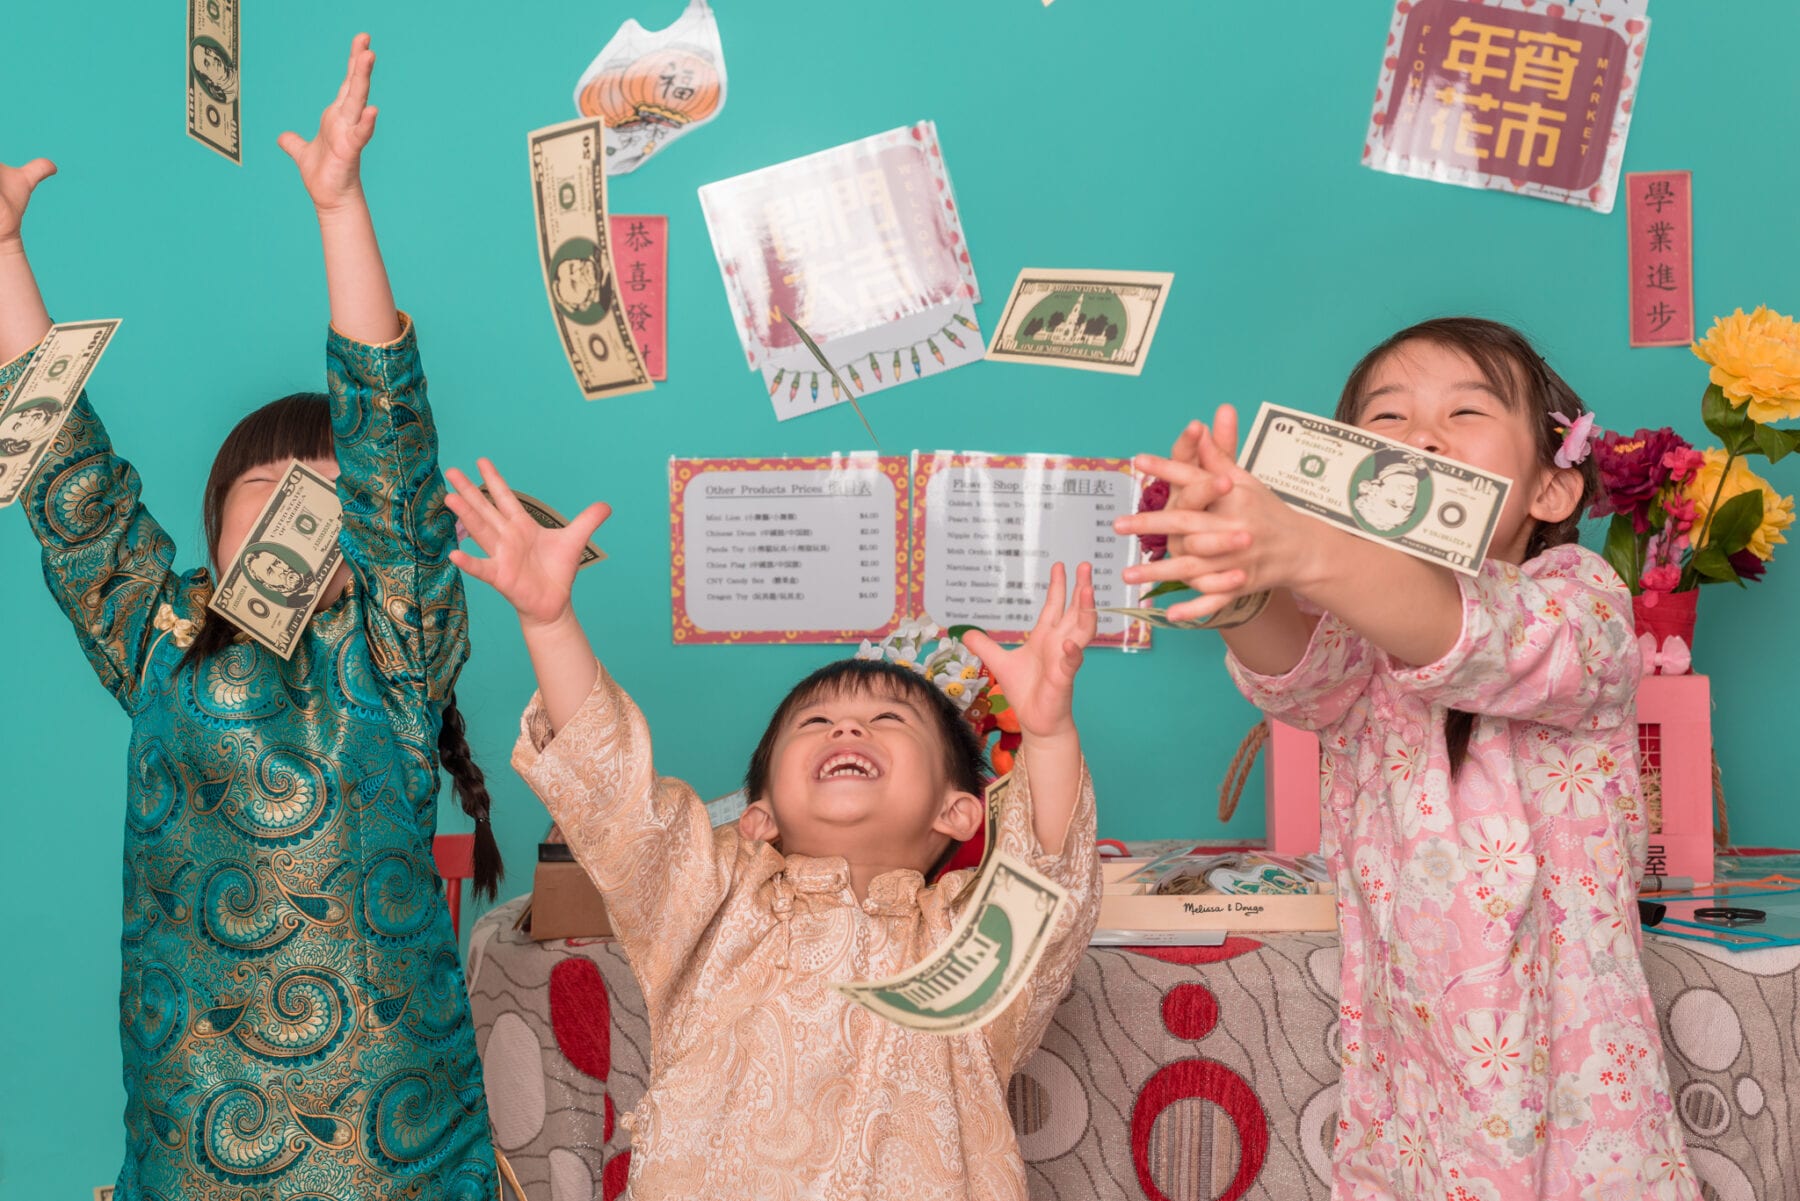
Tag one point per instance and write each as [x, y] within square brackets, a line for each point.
[1187, 443]
[1185, 522]
[1203, 607]
[1197, 486]
[481, 569]
[1225, 431]
[1087, 618]
[1055, 599]
[362, 66]
[37, 171]
[478, 521]
[983, 647]
[292, 144]
[504, 500]
[1216, 459]
[590, 519]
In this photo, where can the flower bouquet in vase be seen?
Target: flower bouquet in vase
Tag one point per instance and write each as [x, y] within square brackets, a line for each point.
[1683, 516]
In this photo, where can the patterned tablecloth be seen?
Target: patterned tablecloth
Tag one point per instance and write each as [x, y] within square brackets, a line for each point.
[1190, 1074]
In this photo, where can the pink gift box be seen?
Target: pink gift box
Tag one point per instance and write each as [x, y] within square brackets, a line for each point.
[1674, 734]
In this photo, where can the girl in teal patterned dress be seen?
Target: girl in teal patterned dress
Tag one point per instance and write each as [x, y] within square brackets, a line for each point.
[293, 1012]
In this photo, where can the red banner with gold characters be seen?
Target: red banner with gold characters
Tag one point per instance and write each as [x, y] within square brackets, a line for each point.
[1514, 95]
[1660, 208]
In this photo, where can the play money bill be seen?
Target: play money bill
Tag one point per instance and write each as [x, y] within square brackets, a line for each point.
[990, 954]
[272, 583]
[44, 397]
[1237, 613]
[569, 197]
[1428, 506]
[214, 113]
[1091, 320]
[550, 519]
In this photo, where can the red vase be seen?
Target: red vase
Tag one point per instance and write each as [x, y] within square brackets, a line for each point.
[1672, 616]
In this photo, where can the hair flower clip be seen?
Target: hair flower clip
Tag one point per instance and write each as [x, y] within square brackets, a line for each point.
[1577, 433]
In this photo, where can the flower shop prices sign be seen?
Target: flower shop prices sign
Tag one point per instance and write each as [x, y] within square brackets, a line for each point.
[988, 528]
[862, 246]
[1513, 95]
[1659, 206]
[787, 550]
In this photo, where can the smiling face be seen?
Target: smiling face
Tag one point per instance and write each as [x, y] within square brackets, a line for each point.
[860, 769]
[1436, 398]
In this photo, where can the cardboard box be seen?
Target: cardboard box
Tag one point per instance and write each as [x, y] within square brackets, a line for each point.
[564, 902]
[1129, 905]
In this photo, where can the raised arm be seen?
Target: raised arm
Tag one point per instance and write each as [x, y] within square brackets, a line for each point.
[397, 534]
[106, 561]
[23, 319]
[362, 302]
[1038, 680]
[1229, 536]
[534, 569]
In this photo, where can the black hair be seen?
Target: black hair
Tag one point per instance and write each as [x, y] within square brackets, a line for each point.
[299, 427]
[1523, 380]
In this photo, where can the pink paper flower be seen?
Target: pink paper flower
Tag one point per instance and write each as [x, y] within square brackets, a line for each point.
[1156, 495]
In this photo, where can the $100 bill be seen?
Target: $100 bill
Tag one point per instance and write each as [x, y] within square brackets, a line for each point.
[44, 397]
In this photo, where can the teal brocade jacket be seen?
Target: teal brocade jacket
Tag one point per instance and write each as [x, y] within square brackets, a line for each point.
[292, 1009]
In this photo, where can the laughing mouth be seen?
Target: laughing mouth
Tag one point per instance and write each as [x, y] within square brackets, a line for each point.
[848, 766]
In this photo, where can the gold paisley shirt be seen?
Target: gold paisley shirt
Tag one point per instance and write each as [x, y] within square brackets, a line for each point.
[292, 1010]
[765, 1081]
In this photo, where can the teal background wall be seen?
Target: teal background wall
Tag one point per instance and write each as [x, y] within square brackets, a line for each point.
[1210, 139]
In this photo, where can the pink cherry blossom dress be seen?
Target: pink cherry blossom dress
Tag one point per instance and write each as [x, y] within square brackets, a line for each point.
[1498, 1040]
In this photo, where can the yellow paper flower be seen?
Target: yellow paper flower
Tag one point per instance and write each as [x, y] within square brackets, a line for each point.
[1778, 511]
[1756, 361]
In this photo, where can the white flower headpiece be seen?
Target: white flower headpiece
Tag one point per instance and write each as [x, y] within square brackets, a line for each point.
[950, 665]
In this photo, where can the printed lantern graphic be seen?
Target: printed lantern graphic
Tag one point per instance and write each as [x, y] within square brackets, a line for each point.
[1510, 95]
[672, 89]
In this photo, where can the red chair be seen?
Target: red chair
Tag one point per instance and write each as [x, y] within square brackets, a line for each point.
[455, 856]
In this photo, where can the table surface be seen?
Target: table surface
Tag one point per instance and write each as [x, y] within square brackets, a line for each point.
[1183, 1073]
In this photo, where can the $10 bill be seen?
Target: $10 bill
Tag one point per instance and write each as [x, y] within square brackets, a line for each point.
[271, 585]
[1428, 506]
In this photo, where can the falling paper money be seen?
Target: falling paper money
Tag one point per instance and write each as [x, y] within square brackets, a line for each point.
[652, 86]
[988, 958]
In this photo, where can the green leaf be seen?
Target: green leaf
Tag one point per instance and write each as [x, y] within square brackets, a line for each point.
[1165, 588]
[1712, 564]
[1776, 444]
[1621, 549]
[1735, 523]
[1731, 424]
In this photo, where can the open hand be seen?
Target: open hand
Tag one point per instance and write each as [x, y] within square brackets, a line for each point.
[1038, 678]
[16, 186]
[331, 164]
[532, 567]
[1228, 534]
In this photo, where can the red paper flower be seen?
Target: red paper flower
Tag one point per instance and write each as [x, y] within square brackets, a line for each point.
[1633, 471]
[1748, 565]
[1156, 495]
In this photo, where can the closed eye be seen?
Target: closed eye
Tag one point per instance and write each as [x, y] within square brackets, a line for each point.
[807, 721]
[895, 716]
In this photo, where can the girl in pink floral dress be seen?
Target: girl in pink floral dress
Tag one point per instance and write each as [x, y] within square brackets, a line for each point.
[1480, 786]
